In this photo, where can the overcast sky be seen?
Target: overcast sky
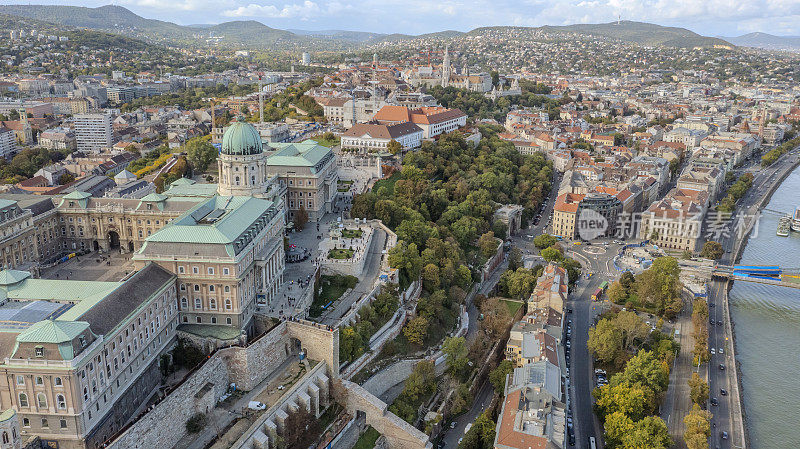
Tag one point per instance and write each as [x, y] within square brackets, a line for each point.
[707, 17]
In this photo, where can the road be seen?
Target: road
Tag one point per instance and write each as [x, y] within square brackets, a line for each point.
[677, 402]
[728, 414]
[482, 401]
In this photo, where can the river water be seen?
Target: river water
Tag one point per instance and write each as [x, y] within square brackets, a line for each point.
[767, 327]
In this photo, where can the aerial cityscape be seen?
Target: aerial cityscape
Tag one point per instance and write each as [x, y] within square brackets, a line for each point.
[399, 225]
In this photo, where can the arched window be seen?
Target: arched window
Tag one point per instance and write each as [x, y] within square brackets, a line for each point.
[58, 382]
[5, 437]
[198, 303]
[228, 304]
[212, 303]
[236, 179]
[23, 400]
[41, 400]
[228, 320]
[62, 403]
[184, 303]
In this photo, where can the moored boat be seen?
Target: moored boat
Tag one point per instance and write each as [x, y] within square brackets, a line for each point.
[796, 220]
[784, 224]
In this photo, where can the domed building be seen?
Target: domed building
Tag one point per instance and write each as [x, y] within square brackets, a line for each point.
[241, 161]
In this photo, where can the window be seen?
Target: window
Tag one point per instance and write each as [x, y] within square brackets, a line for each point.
[184, 303]
[62, 403]
[198, 303]
[181, 270]
[212, 304]
[5, 437]
[39, 351]
[57, 381]
[26, 422]
[39, 380]
[45, 424]
[20, 380]
[213, 320]
[23, 400]
[63, 423]
[41, 400]
[226, 271]
[228, 320]
[228, 304]
[199, 320]
[197, 287]
[211, 288]
[195, 270]
[227, 289]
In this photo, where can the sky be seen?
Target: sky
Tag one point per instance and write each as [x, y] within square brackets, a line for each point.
[707, 17]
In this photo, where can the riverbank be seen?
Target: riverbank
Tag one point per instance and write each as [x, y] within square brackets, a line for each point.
[739, 246]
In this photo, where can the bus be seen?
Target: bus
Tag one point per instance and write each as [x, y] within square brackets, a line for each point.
[604, 285]
[597, 294]
[592, 443]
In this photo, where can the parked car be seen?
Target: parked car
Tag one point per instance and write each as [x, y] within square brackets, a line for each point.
[255, 405]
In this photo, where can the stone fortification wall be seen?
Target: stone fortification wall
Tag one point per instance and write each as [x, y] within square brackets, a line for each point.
[164, 425]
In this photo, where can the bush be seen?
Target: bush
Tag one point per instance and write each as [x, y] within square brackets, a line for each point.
[196, 423]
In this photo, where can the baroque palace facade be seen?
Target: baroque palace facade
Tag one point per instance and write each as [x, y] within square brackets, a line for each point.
[80, 358]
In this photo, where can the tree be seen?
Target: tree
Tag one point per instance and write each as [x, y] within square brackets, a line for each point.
[659, 287]
[488, 244]
[496, 317]
[617, 293]
[551, 254]
[200, 153]
[394, 147]
[300, 218]
[66, 178]
[544, 241]
[650, 432]
[632, 327]
[518, 284]
[430, 277]
[698, 389]
[455, 351]
[300, 429]
[405, 256]
[498, 376]
[514, 259]
[698, 428]
[605, 341]
[416, 330]
[712, 250]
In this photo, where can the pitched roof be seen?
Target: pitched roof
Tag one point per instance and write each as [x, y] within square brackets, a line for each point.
[51, 331]
[379, 131]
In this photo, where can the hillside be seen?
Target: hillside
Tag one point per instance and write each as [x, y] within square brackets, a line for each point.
[766, 41]
[647, 34]
[251, 32]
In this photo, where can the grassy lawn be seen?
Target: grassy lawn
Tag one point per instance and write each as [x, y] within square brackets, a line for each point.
[388, 183]
[367, 439]
[340, 254]
[332, 287]
[352, 233]
[326, 142]
[513, 306]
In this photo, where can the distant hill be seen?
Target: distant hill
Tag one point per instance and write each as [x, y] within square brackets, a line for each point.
[253, 34]
[646, 34]
[766, 41]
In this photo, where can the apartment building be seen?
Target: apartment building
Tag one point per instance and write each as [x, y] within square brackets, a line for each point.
[93, 131]
[675, 222]
[8, 143]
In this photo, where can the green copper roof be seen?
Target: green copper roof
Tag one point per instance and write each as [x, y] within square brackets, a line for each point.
[154, 197]
[219, 220]
[191, 191]
[241, 138]
[182, 182]
[50, 331]
[8, 277]
[299, 154]
[77, 195]
[5, 203]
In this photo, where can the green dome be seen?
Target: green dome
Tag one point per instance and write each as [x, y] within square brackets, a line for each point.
[241, 138]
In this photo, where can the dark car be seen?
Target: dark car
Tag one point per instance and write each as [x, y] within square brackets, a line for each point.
[721, 366]
[711, 321]
[714, 401]
[723, 391]
[719, 323]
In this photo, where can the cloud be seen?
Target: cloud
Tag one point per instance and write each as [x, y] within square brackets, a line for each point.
[305, 10]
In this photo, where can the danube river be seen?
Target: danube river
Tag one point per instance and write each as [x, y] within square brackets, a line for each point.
[767, 328]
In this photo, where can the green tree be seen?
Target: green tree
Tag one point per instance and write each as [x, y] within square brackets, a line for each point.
[200, 153]
[551, 254]
[514, 259]
[659, 287]
[394, 147]
[617, 293]
[650, 432]
[488, 244]
[430, 277]
[698, 389]
[698, 428]
[405, 256]
[605, 341]
[544, 241]
[416, 330]
[496, 317]
[455, 351]
[712, 250]
[498, 376]
[66, 178]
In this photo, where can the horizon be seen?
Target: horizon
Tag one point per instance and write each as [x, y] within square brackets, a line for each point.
[418, 17]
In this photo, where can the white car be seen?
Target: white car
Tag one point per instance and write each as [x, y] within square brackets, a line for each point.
[712, 351]
[255, 405]
[721, 351]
